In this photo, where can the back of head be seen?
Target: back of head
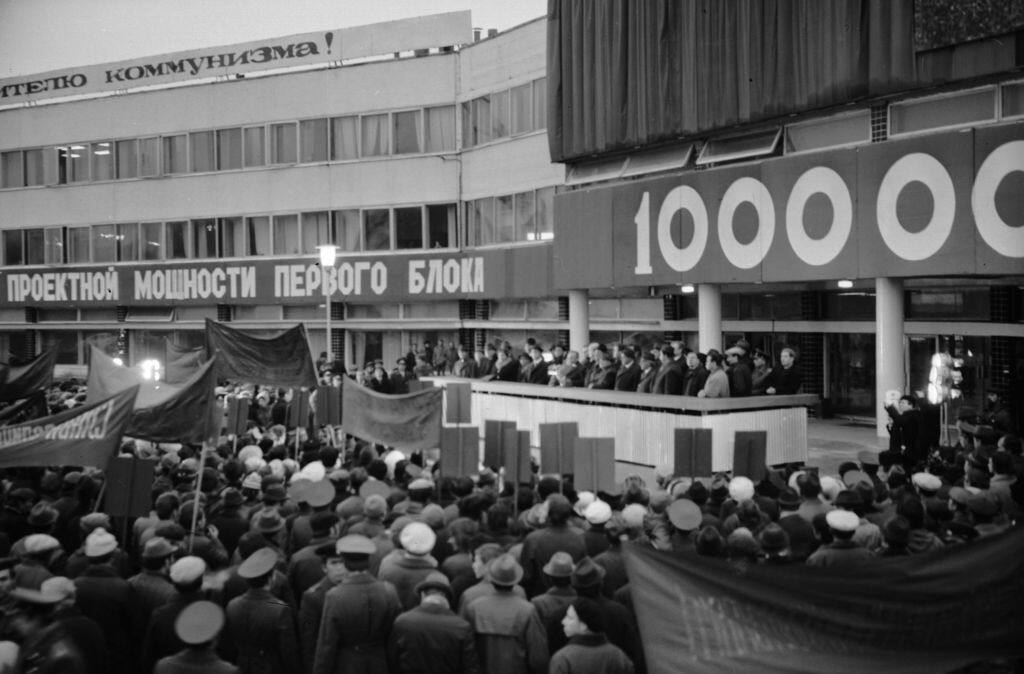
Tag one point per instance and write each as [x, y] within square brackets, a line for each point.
[809, 485]
[559, 509]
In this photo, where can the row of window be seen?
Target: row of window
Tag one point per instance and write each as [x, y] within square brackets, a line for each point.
[506, 113]
[524, 216]
[353, 230]
[406, 132]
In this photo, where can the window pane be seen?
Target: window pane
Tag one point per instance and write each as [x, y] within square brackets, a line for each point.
[481, 119]
[377, 229]
[232, 237]
[204, 238]
[102, 161]
[203, 153]
[407, 132]
[314, 140]
[255, 150]
[504, 220]
[409, 227]
[522, 109]
[540, 103]
[315, 231]
[347, 229]
[499, 115]
[257, 235]
[13, 252]
[546, 213]
[229, 149]
[34, 245]
[439, 127]
[34, 169]
[283, 144]
[441, 223]
[286, 235]
[149, 156]
[345, 138]
[375, 135]
[526, 229]
[177, 240]
[128, 242]
[53, 243]
[175, 154]
[104, 243]
[78, 164]
[468, 128]
[127, 159]
[78, 244]
[152, 240]
[483, 212]
[12, 168]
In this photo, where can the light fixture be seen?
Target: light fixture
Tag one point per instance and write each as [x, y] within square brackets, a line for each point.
[845, 283]
[688, 289]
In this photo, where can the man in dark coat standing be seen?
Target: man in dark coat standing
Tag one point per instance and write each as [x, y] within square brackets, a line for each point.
[588, 649]
[740, 373]
[197, 626]
[358, 616]
[260, 634]
[311, 605]
[669, 380]
[103, 595]
[649, 366]
[540, 545]
[430, 638]
[628, 376]
[161, 640]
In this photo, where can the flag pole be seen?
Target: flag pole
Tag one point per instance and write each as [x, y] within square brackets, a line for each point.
[195, 502]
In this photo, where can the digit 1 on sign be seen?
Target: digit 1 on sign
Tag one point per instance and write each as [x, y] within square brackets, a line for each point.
[643, 236]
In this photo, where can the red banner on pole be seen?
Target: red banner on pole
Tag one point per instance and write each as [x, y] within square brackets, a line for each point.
[409, 421]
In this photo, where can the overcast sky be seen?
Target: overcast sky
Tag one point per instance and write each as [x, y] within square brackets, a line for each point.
[41, 35]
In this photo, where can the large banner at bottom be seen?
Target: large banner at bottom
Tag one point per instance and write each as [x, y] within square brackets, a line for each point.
[926, 613]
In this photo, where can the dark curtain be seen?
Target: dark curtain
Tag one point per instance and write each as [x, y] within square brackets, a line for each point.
[626, 73]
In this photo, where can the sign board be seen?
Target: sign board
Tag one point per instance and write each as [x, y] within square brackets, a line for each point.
[594, 465]
[515, 455]
[749, 454]
[494, 438]
[460, 450]
[328, 406]
[692, 452]
[556, 446]
[457, 403]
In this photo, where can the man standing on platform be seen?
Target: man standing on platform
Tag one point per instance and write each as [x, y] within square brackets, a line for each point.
[669, 380]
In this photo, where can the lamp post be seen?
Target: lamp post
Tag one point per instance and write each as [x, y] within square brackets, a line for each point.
[328, 255]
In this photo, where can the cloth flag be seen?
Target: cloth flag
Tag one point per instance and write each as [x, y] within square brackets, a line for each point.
[283, 360]
[163, 412]
[924, 613]
[88, 435]
[409, 421]
[182, 361]
[21, 381]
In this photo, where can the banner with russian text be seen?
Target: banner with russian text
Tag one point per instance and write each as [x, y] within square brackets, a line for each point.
[20, 381]
[283, 360]
[924, 613]
[83, 436]
[409, 421]
[162, 412]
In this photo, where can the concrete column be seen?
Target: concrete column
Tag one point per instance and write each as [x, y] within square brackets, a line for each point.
[579, 321]
[347, 341]
[709, 317]
[889, 366]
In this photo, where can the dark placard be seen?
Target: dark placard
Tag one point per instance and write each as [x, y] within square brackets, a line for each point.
[692, 452]
[238, 415]
[328, 406]
[298, 409]
[515, 455]
[750, 453]
[556, 446]
[594, 463]
[457, 403]
[494, 434]
[129, 482]
[460, 451]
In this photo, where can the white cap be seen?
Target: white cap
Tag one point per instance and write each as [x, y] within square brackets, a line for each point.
[417, 538]
[39, 543]
[927, 481]
[598, 512]
[842, 520]
[187, 570]
[830, 487]
[741, 488]
[634, 515]
[99, 543]
[583, 499]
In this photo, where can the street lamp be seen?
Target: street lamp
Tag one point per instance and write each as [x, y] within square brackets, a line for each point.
[328, 255]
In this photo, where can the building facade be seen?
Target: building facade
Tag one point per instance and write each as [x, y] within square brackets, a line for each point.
[483, 190]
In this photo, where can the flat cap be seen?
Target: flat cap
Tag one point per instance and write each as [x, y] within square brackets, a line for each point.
[319, 494]
[598, 512]
[100, 542]
[842, 520]
[36, 544]
[187, 570]
[258, 563]
[417, 538]
[684, 514]
[158, 547]
[199, 622]
[355, 544]
[741, 488]
[926, 481]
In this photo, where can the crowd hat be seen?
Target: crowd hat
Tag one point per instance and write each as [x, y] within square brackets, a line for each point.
[187, 570]
[598, 512]
[94, 521]
[231, 498]
[269, 522]
[258, 563]
[927, 482]
[560, 565]
[789, 499]
[741, 488]
[42, 515]
[587, 574]
[371, 487]
[158, 547]
[684, 514]
[842, 520]
[252, 481]
[355, 545]
[437, 582]
[320, 494]
[37, 544]
[375, 507]
[868, 457]
[583, 499]
[100, 542]
[199, 622]
[417, 538]
[274, 493]
[323, 521]
[773, 539]
[852, 478]
[504, 570]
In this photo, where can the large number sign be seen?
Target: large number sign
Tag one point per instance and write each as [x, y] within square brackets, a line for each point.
[937, 205]
[519, 272]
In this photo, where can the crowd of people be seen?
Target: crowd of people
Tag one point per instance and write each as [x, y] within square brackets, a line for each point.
[668, 369]
[331, 554]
